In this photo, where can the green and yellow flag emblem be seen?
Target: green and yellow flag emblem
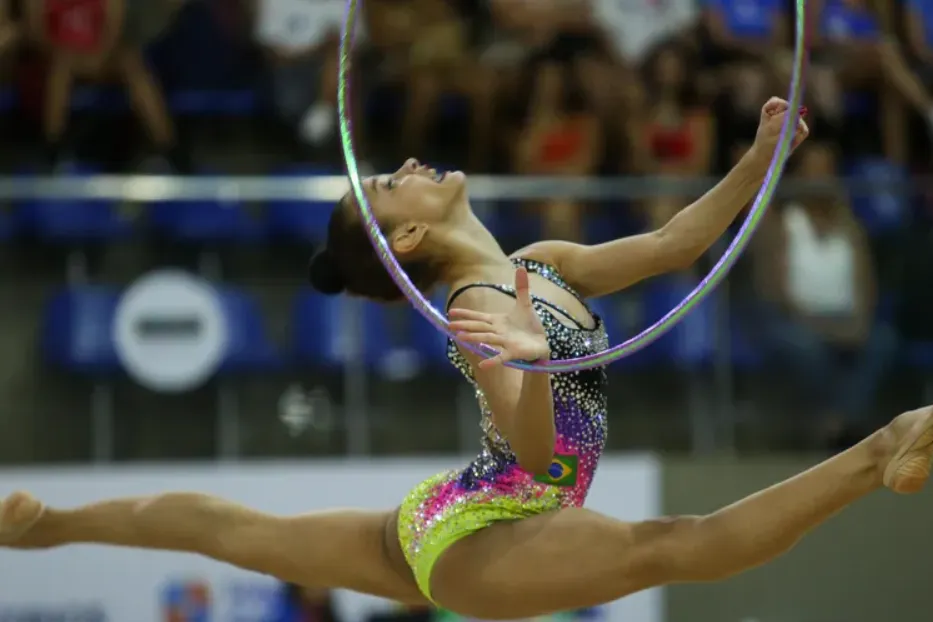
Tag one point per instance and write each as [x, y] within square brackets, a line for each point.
[562, 472]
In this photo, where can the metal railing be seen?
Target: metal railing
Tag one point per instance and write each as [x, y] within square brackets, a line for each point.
[712, 428]
[145, 188]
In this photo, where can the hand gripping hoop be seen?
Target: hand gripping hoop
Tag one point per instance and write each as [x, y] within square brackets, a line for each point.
[653, 332]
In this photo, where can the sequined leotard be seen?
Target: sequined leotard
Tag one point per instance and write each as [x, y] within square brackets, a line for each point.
[452, 505]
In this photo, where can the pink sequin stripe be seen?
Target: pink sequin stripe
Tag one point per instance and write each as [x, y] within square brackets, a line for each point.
[441, 497]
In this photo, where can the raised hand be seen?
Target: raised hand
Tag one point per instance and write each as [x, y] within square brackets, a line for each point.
[518, 335]
[773, 114]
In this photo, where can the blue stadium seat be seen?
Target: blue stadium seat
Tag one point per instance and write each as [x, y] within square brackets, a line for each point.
[320, 337]
[325, 333]
[250, 349]
[301, 221]
[205, 221]
[78, 325]
[515, 222]
[614, 311]
[233, 103]
[76, 330]
[882, 211]
[609, 222]
[691, 342]
[66, 220]
[388, 331]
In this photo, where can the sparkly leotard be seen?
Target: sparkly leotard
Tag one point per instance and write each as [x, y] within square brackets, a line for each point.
[452, 505]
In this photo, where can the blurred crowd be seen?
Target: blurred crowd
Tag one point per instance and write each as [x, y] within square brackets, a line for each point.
[545, 87]
[838, 281]
[550, 86]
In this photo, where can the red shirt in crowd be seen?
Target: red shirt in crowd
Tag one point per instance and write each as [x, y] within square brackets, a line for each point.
[77, 25]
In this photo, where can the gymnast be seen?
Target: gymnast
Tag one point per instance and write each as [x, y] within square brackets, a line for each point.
[507, 537]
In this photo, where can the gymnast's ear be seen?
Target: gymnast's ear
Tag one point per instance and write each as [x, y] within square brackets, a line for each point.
[407, 237]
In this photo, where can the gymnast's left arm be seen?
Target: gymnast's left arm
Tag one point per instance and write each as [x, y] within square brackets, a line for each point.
[602, 269]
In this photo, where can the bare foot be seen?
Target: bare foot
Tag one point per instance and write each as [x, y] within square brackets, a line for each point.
[18, 513]
[911, 449]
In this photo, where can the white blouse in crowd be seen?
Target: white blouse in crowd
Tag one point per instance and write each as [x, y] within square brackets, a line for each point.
[821, 268]
[300, 24]
[636, 26]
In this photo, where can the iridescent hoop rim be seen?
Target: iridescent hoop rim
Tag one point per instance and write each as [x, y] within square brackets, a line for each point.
[655, 331]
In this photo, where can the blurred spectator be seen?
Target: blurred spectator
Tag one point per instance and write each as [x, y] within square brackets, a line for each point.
[10, 25]
[97, 40]
[571, 34]
[634, 29]
[561, 137]
[851, 47]
[305, 604]
[678, 131]
[741, 31]
[817, 282]
[741, 43]
[302, 39]
[918, 15]
[443, 60]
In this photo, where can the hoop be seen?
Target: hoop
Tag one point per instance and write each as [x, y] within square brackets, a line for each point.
[653, 332]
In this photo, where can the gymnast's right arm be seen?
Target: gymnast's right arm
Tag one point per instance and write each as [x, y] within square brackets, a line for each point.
[521, 402]
[601, 269]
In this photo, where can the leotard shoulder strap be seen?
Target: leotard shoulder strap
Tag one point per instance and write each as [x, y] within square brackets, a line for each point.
[543, 270]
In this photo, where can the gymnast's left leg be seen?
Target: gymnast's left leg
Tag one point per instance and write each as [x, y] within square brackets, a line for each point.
[576, 558]
[348, 549]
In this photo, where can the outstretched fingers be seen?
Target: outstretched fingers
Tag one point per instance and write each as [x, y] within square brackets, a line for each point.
[522, 287]
[471, 326]
[469, 314]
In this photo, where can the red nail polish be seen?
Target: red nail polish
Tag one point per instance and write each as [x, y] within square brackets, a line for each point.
[804, 111]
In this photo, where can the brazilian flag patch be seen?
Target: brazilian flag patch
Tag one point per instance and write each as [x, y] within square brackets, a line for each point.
[562, 472]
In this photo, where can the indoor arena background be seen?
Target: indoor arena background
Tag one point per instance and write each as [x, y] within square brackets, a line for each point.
[648, 101]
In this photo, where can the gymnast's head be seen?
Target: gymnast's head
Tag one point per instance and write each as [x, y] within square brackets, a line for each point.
[424, 215]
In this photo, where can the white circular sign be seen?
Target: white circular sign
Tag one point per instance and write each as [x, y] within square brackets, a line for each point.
[170, 331]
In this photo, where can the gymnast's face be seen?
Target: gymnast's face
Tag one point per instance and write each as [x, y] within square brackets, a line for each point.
[413, 199]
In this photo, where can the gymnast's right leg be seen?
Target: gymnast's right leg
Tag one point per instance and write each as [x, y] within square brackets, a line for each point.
[341, 549]
[575, 558]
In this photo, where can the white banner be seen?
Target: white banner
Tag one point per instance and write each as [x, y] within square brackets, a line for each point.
[100, 584]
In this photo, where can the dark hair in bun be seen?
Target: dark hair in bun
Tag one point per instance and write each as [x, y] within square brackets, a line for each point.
[324, 275]
[349, 262]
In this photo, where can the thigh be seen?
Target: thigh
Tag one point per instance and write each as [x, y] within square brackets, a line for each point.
[559, 561]
[347, 549]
